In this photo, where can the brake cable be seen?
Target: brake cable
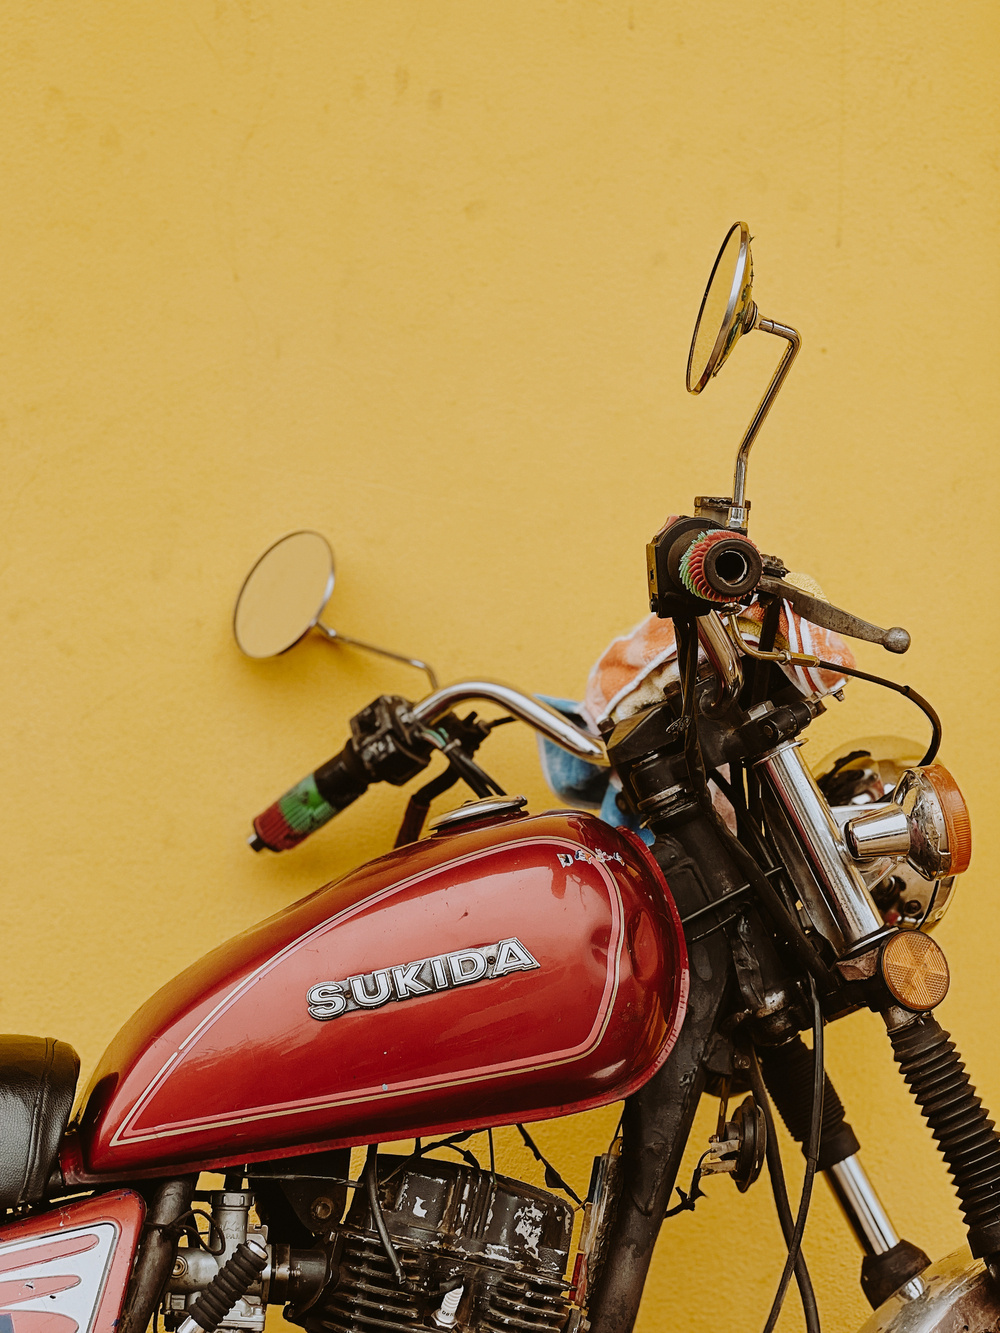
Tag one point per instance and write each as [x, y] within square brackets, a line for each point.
[466, 767]
[779, 1190]
[784, 657]
[812, 1158]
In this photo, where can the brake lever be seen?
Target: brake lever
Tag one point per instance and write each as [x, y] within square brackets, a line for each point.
[820, 612]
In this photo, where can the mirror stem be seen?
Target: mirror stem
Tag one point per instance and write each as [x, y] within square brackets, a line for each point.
[335, 635]
[739, 511]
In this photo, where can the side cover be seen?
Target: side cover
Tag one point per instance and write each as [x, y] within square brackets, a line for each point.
[66, 1270]
[515, 970]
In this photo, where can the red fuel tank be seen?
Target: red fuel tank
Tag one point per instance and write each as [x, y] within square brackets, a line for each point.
[509, 968]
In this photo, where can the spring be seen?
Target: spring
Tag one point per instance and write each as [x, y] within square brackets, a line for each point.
[233, 1280]
[962, 1130]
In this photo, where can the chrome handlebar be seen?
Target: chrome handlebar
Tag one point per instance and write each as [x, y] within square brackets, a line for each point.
[557, 728]
[552, 725]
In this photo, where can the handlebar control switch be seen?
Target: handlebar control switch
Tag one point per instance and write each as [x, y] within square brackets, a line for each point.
[388, 749]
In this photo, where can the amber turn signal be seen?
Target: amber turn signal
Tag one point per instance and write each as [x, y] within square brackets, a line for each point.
[915, 970]
[937, 825]
[955, 814]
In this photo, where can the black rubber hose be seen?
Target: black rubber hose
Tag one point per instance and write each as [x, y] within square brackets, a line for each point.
[788, 1073]
[233, 1280]
[959, 1122]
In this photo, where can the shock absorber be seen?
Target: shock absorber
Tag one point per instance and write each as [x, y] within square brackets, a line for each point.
[936, 1076]
[233, 1280]
[889, 1262]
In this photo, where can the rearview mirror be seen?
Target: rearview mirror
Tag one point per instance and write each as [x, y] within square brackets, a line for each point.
[727, 309]
[284, 596]
[727, 312]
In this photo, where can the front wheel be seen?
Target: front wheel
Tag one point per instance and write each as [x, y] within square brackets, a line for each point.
[954, 1293]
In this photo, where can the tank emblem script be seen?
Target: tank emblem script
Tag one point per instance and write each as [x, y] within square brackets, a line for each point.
[445, 971]
[566, 859]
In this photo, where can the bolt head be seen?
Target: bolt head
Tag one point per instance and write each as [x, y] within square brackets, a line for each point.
[322, 1208]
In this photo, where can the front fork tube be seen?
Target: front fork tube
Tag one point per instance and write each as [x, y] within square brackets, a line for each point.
[889, 1262]
[842, 908]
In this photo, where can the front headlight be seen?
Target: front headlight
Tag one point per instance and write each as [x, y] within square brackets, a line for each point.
[908, 827]
[927, 822]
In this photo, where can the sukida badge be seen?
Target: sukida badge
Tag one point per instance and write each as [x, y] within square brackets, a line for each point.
[425, 976]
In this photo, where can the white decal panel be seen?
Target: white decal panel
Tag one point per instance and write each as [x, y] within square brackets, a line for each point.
[53, 1282]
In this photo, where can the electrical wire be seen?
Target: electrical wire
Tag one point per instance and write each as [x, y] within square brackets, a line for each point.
[552, 1177]
[812, 1158]
[907, 691]
[779, 1190]
[371, 1181]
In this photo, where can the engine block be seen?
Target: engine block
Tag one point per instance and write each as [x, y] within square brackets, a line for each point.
[478, 1251]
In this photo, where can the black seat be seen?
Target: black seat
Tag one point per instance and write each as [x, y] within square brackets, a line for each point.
[37, 1085]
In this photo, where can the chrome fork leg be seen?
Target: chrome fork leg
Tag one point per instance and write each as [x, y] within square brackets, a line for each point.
[889, 1262]
[861, 1206]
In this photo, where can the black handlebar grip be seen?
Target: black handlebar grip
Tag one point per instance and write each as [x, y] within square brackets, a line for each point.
[310, 803]
[720, 565]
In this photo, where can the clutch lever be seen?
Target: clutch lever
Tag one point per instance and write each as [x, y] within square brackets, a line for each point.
[820, 612]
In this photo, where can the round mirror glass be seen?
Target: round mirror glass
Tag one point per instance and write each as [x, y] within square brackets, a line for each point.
[723, 308]
[284, 594]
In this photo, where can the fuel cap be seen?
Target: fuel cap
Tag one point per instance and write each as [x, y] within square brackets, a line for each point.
[493, 807]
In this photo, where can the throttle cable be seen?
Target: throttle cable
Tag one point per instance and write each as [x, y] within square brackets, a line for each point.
[812, 1159]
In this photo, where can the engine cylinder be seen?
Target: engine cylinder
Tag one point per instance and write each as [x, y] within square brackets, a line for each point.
[497, 1249]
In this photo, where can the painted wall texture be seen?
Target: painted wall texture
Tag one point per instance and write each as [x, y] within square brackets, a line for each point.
[422, 276]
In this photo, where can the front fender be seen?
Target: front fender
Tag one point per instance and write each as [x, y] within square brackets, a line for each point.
[955, 1293]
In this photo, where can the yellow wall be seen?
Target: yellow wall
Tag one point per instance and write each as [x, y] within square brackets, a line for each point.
[422, 276]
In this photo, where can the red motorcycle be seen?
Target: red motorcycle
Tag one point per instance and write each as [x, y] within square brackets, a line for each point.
[509, 968]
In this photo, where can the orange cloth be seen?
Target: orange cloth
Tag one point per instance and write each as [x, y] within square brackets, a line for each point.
[644, 660]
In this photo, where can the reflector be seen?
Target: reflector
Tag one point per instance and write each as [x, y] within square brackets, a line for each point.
[915, 970]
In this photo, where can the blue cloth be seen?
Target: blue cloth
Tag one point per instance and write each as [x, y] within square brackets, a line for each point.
[579, 783]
